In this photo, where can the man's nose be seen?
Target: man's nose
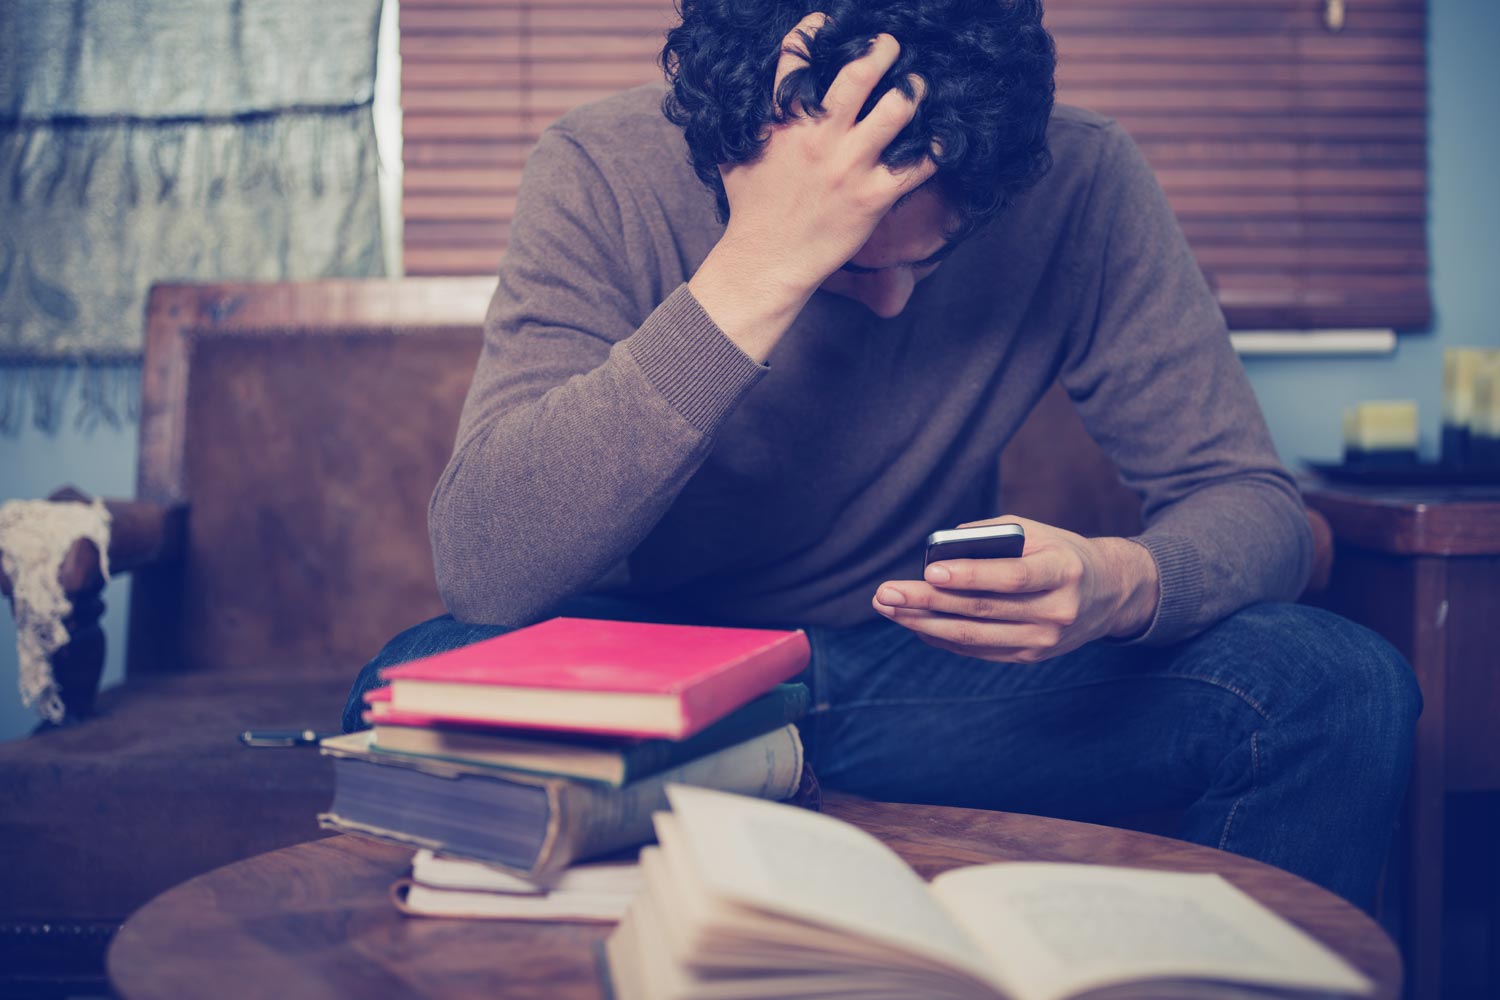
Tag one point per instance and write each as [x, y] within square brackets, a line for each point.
[885, 293]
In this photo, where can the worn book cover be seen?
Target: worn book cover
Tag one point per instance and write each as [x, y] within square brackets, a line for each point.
[528, 824]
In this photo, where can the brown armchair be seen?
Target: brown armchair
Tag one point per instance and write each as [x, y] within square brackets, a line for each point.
[290, 437]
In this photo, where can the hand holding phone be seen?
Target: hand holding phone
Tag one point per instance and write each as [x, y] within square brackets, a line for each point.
[977, 599]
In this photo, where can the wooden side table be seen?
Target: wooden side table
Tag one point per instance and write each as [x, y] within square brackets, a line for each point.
[1421, 566]
[315, 921]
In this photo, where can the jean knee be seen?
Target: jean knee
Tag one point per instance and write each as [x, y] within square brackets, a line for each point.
[354, 705]
[1394, 680]
[1371, 673]
[433, 636]
[1366, 691]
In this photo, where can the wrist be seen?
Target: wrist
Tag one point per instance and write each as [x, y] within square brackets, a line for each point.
[767, 261]
[750, 299]
[1137, 586]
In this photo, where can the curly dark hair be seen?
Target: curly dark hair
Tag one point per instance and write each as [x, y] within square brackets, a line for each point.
[988, 65]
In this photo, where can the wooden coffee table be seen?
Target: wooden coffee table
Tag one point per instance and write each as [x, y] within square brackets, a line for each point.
[316, 920]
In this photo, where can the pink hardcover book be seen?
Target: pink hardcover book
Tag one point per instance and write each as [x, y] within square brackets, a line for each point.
[378, 712]
[596, 676]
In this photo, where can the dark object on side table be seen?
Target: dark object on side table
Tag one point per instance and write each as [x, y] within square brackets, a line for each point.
[1407, 474]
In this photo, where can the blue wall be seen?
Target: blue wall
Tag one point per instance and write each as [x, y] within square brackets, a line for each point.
[1303, 397]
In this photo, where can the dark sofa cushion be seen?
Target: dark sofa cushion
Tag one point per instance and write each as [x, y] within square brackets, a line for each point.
[96, 819]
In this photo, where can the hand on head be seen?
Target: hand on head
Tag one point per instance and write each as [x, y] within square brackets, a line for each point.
[818, 189]
[810, 199]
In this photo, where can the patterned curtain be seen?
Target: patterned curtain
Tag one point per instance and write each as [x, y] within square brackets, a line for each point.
[162, 140]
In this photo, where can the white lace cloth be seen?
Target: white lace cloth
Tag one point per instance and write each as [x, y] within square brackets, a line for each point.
[35, 535]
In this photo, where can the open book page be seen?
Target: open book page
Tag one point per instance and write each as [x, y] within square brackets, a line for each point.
[815, 868]
[700, 948]
[718, 938]
[1055, 930]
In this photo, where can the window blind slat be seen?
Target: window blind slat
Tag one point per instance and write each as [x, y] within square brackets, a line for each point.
[426, 179]
[1299, 232]
[460, 206]
[1277, 152]
[431, 262]
[1231, 177]
[1312, 128]
[1317, 45]
[1251, 101]
[460, 233]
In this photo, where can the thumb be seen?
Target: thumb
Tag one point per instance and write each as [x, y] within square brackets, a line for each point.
[1024, 522]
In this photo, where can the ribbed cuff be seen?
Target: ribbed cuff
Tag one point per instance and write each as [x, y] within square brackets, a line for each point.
[690, 361]
[1180, 593]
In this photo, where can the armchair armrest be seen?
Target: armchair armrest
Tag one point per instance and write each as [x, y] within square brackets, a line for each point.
[142, 535]
[1322, 568]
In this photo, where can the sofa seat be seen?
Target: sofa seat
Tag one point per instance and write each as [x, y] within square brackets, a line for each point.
[100, 817]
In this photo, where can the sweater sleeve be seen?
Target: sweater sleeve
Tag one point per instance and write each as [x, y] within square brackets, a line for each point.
[1159, 387]
[588, 412]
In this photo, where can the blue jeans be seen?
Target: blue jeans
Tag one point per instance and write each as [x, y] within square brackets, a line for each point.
[1283, 733]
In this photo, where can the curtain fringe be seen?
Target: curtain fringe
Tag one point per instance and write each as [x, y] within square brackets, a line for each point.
[108, 393]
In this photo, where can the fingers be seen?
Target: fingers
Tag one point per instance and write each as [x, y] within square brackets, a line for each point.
[910, 178]
[1025, 522]
[969, 603]
[892, 113]
[1037, 571]
[794, 46]
[852, 87]
[1014, 642]
[1058, 608]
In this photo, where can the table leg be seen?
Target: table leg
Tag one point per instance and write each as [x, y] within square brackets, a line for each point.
[1426, 802]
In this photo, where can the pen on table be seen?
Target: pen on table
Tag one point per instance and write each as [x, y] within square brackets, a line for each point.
[283, 737]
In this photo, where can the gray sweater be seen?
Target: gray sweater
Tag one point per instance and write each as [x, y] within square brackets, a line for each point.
[615, 440]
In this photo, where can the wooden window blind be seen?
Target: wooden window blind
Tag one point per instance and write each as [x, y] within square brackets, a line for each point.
[480, 80]
[1294, 155]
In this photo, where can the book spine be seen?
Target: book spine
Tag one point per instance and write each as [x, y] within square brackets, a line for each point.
[783, 704]
[593, 820]
[740, 681]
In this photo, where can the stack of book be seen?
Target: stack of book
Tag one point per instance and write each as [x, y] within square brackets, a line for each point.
[553, 744]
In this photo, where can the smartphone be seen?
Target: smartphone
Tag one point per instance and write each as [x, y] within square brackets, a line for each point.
[993, 541]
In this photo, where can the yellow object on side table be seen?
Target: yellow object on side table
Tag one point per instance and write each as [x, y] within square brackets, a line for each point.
[1383, 432]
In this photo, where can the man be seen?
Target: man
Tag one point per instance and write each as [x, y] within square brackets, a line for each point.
[749, 404]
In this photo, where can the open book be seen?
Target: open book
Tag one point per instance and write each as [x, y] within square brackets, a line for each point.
[748, 899]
